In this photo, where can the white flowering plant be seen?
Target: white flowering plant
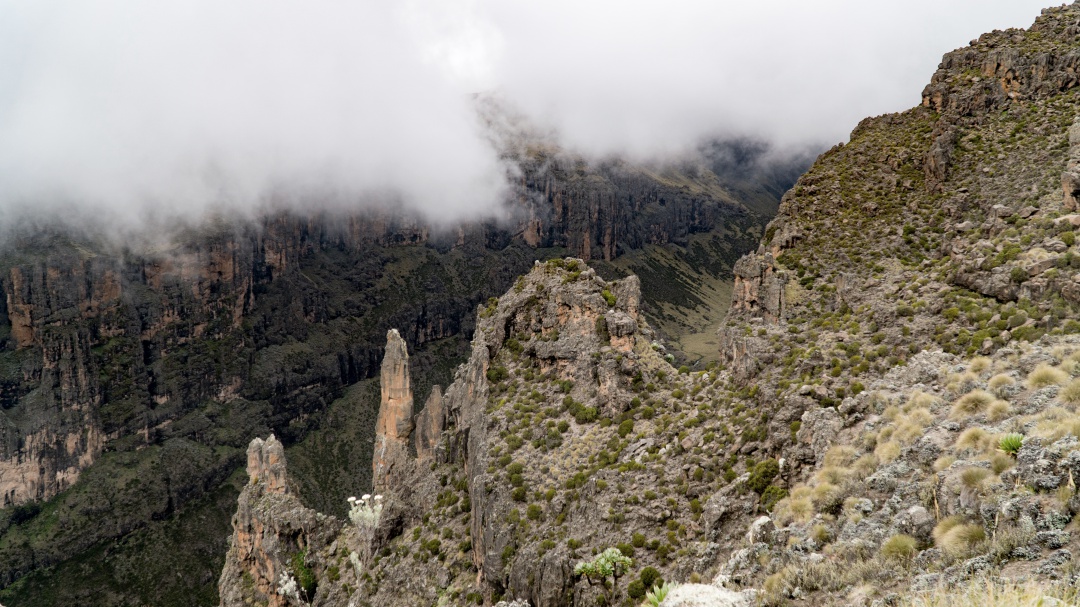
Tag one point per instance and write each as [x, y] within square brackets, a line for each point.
[365, 512]
[288, 588]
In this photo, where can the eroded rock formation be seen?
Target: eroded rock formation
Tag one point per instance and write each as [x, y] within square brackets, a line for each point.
[395, 425]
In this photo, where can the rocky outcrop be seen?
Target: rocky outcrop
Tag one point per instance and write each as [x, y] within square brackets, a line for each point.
[273, 535]
[1070, 178]
[586, 336]
[395, 425]
[759, 288]
[430, 423]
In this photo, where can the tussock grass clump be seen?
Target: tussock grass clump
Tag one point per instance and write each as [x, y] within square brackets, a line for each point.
[992, 593]
[1070, 366]
[1044, 375]
[1001, 382]
[956, 538]
[1070, 394]
[944, 525]
[887, 451]
[972, 403]
[998, 410]
[979, 364]
[827, 497]
[821, 534]
[910, 426]
[973, 478]
[943, 462]
[840, 456]
[865, 465]
[834, 475]
[975, 439]
[962, 382]
[920, 400]
[900, 548]
[1000, 462]
[1056, 423]
[796, 508]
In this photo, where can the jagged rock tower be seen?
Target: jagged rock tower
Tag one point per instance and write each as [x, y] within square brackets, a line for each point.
[395, 423]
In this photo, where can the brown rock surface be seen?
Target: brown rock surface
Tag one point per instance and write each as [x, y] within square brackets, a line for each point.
[395, 425]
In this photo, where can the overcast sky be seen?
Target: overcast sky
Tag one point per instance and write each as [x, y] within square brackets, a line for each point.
[174, 106]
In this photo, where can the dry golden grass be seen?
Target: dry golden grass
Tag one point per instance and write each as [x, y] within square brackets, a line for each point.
[840, 456]
[1070, 393]
[1044, 375]
[974, 478]
[910, 425]
[979, 364]
[943, 462]
[961, 382]
[835, 475]
[972, 403]
[865, 465]
[994, 593]
[1000, 462]
[944, 525]
[975, 439]
[959, 539]
[998, 410]
[1056, 423]
[900, 548]
[887, 451]
[1000, 382]
[796, 508]
[920, 400]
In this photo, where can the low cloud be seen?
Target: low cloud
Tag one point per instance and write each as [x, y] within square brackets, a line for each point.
[128, 109]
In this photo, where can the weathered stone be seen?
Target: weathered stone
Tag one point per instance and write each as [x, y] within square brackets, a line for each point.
[266, 464]
[429, 426]
[395, 424]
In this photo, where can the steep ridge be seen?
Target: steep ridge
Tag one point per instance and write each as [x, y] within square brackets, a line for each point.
[895, 412]
[144, 371]
[545, 433]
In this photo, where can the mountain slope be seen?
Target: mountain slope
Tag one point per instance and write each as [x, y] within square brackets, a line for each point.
[896, 408]
[131, 377]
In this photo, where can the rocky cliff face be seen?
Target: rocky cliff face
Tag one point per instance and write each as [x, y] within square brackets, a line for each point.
[553, 448]
[113, 360]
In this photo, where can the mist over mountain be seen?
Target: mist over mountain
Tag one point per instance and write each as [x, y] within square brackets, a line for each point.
[132, 111]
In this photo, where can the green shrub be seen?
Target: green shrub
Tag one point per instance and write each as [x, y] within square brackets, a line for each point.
[519, 494]
[650, 576]
[635, 590]
[497, 374]
[637, 540]
[534, 512]
[771, 495]
[626, 427]
[608, 297]
[762, 474]
[305, 577]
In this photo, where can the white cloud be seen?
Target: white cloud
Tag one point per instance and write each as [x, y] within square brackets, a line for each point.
[177, 106]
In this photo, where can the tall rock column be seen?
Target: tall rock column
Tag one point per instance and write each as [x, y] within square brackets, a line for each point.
[395, 424]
